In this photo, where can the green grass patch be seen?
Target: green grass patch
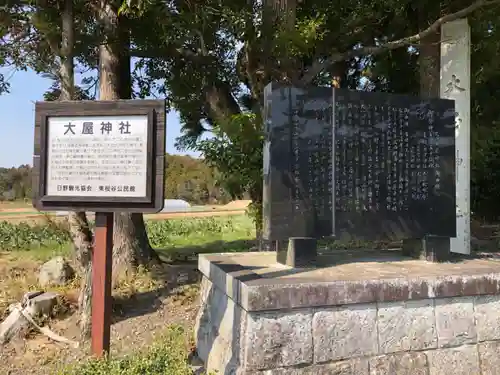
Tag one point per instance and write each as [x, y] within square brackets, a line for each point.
[23, 236]
[206, 233]
[199, 231]
[168, 356]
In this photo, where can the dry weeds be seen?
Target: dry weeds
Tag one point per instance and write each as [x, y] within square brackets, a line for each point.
[144, 304]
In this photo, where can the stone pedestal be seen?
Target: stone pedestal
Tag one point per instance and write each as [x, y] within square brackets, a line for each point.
[363, 313]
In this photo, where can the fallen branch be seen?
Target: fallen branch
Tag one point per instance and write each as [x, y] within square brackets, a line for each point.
[318, 67]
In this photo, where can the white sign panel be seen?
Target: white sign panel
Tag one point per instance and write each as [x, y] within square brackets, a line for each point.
[455, 85]
[98, 156]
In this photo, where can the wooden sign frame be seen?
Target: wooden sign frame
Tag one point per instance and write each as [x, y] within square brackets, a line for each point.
[154, 199]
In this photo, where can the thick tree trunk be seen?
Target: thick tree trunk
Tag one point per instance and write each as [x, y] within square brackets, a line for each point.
[429, 60]
[78, 223]
[131, 246]
[81, 234]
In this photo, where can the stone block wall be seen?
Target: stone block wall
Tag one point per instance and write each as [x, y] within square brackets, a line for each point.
[432, 336]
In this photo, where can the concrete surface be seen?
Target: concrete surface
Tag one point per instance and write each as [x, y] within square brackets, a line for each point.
[363, 313]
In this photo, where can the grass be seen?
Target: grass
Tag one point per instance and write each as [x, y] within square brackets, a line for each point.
[167, 356]
[18, 275]
[25, 247]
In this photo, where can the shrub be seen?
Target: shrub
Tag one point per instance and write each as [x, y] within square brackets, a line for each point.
[159, 232]
[25, 236]
[485, 173]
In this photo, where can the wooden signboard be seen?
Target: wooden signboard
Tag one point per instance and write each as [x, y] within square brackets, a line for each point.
[101, 156]
[105, 157]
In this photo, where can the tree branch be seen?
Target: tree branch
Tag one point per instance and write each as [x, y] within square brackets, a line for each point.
[319, 66]
[166, 52]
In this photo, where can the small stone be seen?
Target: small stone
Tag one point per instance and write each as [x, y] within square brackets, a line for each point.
[30, 295]
[15, 322]
[42, 304]
[57, 272]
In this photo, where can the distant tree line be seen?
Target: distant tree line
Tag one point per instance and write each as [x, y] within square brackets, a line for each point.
[192, 180]
[186, 178]
[15, 183]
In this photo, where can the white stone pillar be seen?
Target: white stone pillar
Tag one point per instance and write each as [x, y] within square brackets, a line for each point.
[455, 84]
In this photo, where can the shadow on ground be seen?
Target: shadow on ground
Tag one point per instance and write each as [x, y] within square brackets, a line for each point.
[177, 255]
[177, 277]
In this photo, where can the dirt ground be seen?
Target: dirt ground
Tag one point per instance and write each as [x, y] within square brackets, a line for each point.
[143, 307]
[141, 311]
[138, 319]
[237, 205]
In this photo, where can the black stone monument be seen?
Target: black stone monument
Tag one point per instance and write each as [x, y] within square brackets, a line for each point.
[351, 164]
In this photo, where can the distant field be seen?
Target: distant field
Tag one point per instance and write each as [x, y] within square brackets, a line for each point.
[21, 211]
[16, 204]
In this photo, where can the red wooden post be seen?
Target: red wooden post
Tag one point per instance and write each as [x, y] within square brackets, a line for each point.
[101, 283]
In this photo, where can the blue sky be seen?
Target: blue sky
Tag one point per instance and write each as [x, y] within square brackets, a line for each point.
[17, 118]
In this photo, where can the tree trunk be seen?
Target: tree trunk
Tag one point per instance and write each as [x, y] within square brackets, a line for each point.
[81, 234]
[78, 223]
[130, 242]
[131, 246]
[429, 60]
[256, 197]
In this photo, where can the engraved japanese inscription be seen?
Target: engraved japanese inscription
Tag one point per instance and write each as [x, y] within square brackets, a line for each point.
[358, 164]
[97, 156]
[394, 166]
[298, 165]
[101, 156]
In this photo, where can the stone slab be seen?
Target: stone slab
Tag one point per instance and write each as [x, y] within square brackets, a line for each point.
[455, 321]
[489, 357]
[257, 282]
[463, 360]
[345, 332]
[406, 326]
[412, 363]
[487, 315]
[278, 340]
[357, 366]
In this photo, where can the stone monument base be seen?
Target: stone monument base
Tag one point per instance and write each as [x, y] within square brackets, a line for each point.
[362, 313]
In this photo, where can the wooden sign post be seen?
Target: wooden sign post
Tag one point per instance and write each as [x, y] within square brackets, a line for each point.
[102, 262]
[105, 157]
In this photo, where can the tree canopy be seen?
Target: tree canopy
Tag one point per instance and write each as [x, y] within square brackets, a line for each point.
[211, 60]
